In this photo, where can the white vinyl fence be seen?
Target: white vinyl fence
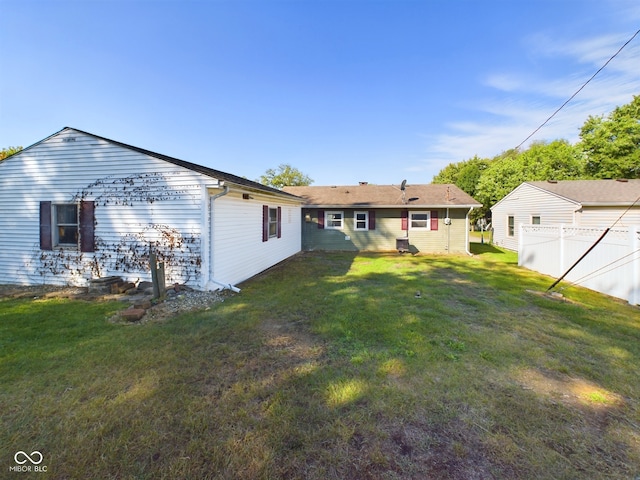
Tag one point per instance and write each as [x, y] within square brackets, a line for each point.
[612, 267]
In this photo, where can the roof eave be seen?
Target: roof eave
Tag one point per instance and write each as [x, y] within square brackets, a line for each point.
[609, 204]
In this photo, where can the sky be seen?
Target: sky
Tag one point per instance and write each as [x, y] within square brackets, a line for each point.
[343, 90]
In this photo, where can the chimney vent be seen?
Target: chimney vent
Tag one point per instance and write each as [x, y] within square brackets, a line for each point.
[364, 183]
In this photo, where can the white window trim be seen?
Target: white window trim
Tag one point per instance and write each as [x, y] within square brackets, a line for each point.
[55, 226]
[273, 222]
[366, 220]
[538, 217]
[511, 235]
[327, 219]
[428, 225]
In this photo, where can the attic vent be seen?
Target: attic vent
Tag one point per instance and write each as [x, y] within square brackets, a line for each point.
[69, 139]
[364, 183]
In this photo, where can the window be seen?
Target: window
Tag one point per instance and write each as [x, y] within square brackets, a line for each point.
[333, 220]
[419, 220]
[66, 225]
[510, 226]
[273, 222]
[535, 220]
[361, 220]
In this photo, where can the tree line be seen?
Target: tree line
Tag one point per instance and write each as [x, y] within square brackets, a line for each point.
[609, 147]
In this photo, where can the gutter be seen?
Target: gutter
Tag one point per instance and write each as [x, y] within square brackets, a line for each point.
[220, 285]
[224, 286]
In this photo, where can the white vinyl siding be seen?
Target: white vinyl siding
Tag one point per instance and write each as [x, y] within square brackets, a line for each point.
[520, 204]
[603, 217]
[238, 251]
[138, 200]
[141, 202]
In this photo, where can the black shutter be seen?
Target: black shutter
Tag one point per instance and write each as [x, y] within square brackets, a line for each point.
[321, 219]
[372, 219]
[46, 242]
[279, 227]
[265, 223]
[87, 223]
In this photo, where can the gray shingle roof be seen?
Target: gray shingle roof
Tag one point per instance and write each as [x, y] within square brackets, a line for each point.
[366, 195]
[594, 192]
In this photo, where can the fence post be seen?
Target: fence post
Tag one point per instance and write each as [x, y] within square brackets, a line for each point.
[634, 247]
[157, 276]
[561, 236]
[520, 244]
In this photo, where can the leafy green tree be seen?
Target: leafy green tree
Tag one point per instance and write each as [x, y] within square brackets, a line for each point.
[464, 175]
[285, 176]
[612, 144]
[6, 152]
[558, 160]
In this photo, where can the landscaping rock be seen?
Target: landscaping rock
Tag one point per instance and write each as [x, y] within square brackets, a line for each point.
[142, 305]
[133, 314]
[103, 285]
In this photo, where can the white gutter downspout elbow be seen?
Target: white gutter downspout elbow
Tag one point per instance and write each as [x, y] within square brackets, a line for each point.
[212, 199]
[466, 236]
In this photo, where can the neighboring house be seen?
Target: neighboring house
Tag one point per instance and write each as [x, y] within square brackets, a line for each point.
[76, 206]
[587, 203]
[426, 218]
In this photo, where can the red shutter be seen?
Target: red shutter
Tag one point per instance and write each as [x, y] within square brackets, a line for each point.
[321, 219]
[87, 226]
[265, 223]
[279, 227]
[434, 220]
[46, 242]
[372, 219]
[404, 215]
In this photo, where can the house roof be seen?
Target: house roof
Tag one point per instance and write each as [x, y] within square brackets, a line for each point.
[384, 196]
[210, 172]
[594, 192]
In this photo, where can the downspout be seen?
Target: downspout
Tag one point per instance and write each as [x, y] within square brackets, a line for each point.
[212, 199]
[448, 224]
[466, 234]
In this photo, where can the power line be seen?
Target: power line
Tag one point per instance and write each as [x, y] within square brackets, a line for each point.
[578, 91]
[592, 275]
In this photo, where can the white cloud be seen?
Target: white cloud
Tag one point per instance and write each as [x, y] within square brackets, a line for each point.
[519, 102]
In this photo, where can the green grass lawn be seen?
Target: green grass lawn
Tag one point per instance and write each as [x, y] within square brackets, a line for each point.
[330, 366]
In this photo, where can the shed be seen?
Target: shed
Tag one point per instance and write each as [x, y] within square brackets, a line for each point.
[365, 217]
[586, 203]
[76, 206]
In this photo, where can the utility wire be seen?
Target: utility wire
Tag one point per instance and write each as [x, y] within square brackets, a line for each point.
[578, 91]
[594, 245]
[592, 275]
